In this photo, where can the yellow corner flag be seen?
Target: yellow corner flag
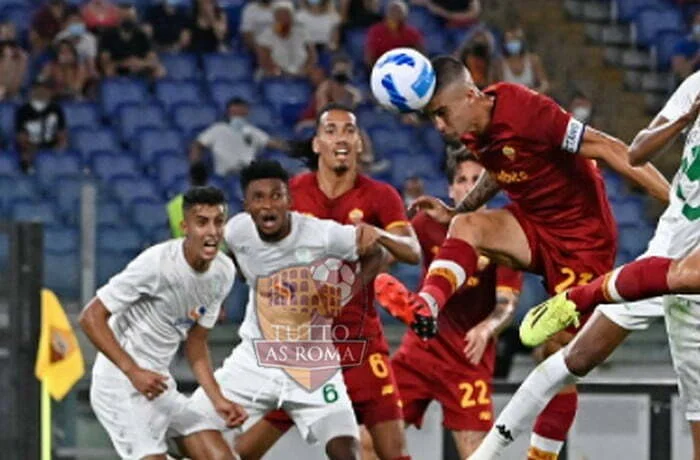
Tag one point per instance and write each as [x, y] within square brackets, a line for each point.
[59, 362]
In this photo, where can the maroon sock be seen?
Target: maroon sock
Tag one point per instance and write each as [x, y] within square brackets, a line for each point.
[453, 264]
[636, 280]
[557, 417]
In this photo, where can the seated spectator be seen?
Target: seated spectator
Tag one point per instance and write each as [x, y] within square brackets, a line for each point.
[101, 14]
[335, 89]
[412, 189]
[359, 14]
[581, 107]
[46, 23]
[75, 31]
[233, 142]
[39, 124]
[168, 24]
[686, 53]
[519, 65]
[391, 33]
[478, 56]
[255, 17]
[284, 48]
[321, 21]
[455, 13]
[13, 62]
[127, 50]
[67, 74]
[209, 27]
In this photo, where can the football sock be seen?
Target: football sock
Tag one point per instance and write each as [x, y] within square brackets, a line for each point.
[448, 271]
[552, 426]
[636, 280]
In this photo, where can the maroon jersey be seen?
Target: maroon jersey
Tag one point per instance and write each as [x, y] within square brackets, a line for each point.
[369, 201]
[531, 150]
[466, 308]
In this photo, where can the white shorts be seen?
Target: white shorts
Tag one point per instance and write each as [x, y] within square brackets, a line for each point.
[634, 316]
[260, 390]
[138, 427]
[683, 328]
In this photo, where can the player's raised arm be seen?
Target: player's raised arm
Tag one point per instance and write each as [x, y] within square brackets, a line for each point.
[613, 151]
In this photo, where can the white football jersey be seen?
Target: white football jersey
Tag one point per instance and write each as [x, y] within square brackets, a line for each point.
[279, 273]
[157, 298]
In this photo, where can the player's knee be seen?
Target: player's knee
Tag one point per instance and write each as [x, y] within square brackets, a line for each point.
[391, 447]
[343, 448]
[578, 361]
[466, 227]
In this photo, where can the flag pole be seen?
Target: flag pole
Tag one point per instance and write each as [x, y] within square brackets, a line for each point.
[45, 423]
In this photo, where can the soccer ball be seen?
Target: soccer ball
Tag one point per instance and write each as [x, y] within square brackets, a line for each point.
[403, 80]
[337, 273]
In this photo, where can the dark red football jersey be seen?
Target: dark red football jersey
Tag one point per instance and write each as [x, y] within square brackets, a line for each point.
[531, 149]
[369, 201]
[466, 308]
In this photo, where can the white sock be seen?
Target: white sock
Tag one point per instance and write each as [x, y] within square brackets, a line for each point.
[532, 396]
[432, 303]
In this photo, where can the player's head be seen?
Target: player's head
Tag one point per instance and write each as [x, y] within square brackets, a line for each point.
[457, 106]
[462, 172]
[204, 210]
[265, 185]
[337, 141]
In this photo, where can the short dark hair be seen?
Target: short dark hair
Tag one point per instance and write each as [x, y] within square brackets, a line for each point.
[263, 169]
[236, 100]
[208, 195]
[333, 106]
[448, 70]
[456, 159]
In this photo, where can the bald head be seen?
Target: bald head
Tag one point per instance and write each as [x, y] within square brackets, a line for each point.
[448, 71]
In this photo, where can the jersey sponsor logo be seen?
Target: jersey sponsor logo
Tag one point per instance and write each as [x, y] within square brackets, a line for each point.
[511, 177]
[509, 152]
[573, 136]
[485, 416]
[435, 250]
[356, 215]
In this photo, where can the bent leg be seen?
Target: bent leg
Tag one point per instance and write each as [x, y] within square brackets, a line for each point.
[343, 448]
[206, 445]
[257, 440]
[467, 441]
[389, 439]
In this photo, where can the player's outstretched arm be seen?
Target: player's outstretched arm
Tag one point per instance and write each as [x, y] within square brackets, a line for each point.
[197, 353]
[401, 242]
[613, 151]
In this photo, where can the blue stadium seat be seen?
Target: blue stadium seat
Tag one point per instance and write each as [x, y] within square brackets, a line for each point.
[19, 15]
[116, 247]
[180, 66]
[263, 117]
[16, 188]
[221, 66]
[108, 165]
[423, 20]
[7, 122]
[173, 93]
[623, 257]
[192, 119]
[109, 263]
[436, 43]
[61, 238]
[81, 114]
[135, 117]
[649, 22]
[150, 142]
[233, 188]
[8, 164]
[387, 139]
[89, 141]
[115, 92]
[634, 239]
[222, 92]
[67, 196]
[498, 201]
[148, 215]
[418, 165]
[664, 45]
[355, 44]
[34, 211]
[159, 234]
[129, 189]
[370, 117]
[62, 260]
[50, 165]
[433, 142]
[626, 10]
[628, 212]
[284, 92]
[292, 165]
[436, 187]
[109, 212]
[168, 167]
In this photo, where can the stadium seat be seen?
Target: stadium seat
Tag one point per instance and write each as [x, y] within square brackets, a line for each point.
[436, 187]
[222, 92]
[19, 15]
[417, 165]
[223, 66]
[193, 118]
[116, 247]
[15, 188]
[128, 189]
[148, 214]
[263, 117]
[159, 234]
[108, 165]
[115, 92]
[62, 260]
[50, 164]
[109, 212]
[626, 10]
[651, 21]
[7, 122]
[498, 201]
[355, 44]
[135, 117]
[89, 141]
[434, 144]
[150, 142]
[628, 212]
[61, 238]
[292, 165]
[34, 211]
[423, 20]
[634, 239]
[8, 164]
[664, 45]
[168, 167]
[387, 139]
[173, 93]
[372, 117]
[81, 114]
[436, 43]
[67, 196]
[279, 92]
[180, 66]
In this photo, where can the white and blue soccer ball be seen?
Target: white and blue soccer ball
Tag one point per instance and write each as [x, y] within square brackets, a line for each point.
[403, 80]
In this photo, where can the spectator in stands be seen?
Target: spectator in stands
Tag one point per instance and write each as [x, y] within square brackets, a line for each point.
[359, 14]
[519, 65]
[168, 25]
[46, 23]
[456, 14]
[412, 189]
[39, 124]
[686, 53]
[581, 107]
[391, 33]
[321, 21]
[477, 54]
[68, 75]
[255, 17]
[127, 50]
[100, 15]
[337, 88]
[75, 31]
[209, 27]
[284, 48]
[13, 62]
[233, 142]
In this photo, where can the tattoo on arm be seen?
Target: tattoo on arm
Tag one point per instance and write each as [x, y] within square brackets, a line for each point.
[485, 188]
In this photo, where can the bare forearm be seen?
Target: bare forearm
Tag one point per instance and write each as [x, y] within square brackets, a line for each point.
[485, 189]
[197, 354]
[100, 334]
[502, 315]
[651, 141]
[403, 248]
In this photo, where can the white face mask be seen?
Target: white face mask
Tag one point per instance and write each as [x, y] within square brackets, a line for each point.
[38, 105]
[582, 114]
[237, 123]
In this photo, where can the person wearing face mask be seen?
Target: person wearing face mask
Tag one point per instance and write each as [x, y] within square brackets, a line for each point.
[581, 108]
[391, 33]
[85, 42]
[686, 53]
[233, 142]
[167, 23]
[520, 66]
[128, 51]
[39, 124]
